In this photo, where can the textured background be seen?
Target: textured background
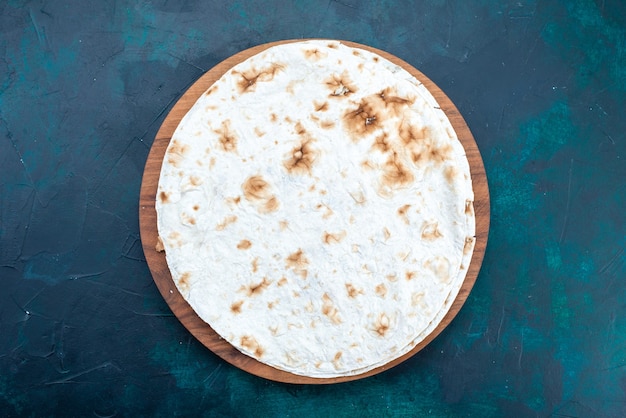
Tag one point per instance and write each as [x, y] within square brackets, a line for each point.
[84, 86]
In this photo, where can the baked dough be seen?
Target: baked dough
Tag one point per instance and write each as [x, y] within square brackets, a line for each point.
[316, 209]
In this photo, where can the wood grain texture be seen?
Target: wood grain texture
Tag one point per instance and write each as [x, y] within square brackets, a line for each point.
[158, 265]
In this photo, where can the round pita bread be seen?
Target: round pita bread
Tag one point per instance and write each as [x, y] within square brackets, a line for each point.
[316, 209]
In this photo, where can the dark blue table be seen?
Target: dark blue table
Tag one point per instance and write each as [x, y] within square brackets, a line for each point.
[84, 86]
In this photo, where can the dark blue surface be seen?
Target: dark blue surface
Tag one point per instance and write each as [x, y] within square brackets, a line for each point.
[84, 86]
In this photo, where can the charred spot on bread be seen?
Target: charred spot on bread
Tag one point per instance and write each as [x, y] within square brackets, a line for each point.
[249, 78]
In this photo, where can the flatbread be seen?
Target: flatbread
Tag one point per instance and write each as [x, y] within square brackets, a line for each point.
[316, 209]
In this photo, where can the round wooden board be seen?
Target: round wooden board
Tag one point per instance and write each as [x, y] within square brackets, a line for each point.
[158, 265]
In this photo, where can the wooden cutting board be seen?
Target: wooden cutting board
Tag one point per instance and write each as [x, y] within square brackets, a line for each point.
[158, 265]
